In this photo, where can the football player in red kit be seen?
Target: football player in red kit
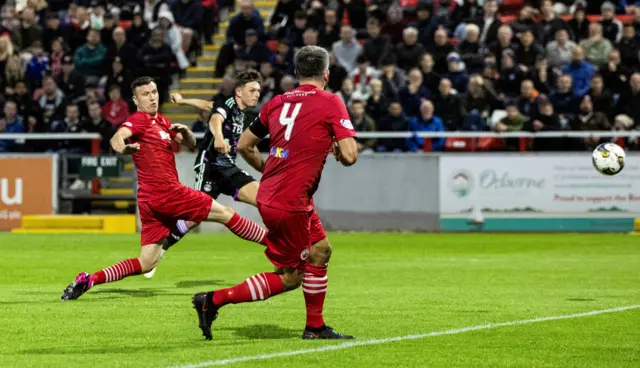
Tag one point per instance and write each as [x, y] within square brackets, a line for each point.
[161, 198]
[305, 125]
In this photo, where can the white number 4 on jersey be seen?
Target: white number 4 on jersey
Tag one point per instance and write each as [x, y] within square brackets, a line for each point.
[288, 120]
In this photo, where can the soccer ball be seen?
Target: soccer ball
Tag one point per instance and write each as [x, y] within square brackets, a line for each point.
[608, 158]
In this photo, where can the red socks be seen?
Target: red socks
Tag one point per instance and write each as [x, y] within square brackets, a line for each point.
[314, 287]
[116, 272]
[246, 229]
[257, 287]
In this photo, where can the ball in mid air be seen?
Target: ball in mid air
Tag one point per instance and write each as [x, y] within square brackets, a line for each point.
[608, 158]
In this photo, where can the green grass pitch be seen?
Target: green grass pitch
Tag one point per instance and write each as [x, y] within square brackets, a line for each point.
[380, 286]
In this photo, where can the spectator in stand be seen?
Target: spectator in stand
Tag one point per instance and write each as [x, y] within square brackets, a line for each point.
[97, 14]
[106, 32]
[601, 98]
[504, 42]
[560, 51]
[11, 122]
[514, 121]
[448, 106]
[395, 24]
[636, 20]
[629, 104]
[423, 22]
[488, 22]
[116, 111]
[310, 37]
[80, 25]
[431, 79]
[588, 120]
[346, 91]
[202, 124]
[151, 11]
[440, 49]
[580, 72]
[579, 24]
[347, 49]
[337, 73]
[376, 104]
[138, 33]
[173, 38]
[255, 50]
[52, 101]
[330, 31]
[411, 95]
[188, 20]
[54, 30]
[394, 121]
[545, 121]
[37, 66]
[426, 121]
[248, 18]
[287, 83]
[378, 45]
[155, 59]
[71, 82]
[470, 51]
[27, 107]
[511, 76]
[596, 48]
[72, 123]
[362, 123]
[270, 81]
[615, 74]
[90, 58]
[363, 75]
[528, 99]
[30, 31]
[356, 12]
[611, 27]
[56, 55]
[409, 51]
[393, 79]
[629, 47]
[283, 15]
[457, 73]
[547, 27]
[209, 19]
[564, 101]
[122, 49]
[98, 124]
[294, 34]
[528, 51]
[480, 101]
[14, 73]
[525, 21]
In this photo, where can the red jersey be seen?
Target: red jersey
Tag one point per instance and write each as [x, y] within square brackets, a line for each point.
[155, 163]
[303, 125]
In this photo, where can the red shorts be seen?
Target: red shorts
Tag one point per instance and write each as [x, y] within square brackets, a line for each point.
[288, 239]
[316, 232]
[158, 217]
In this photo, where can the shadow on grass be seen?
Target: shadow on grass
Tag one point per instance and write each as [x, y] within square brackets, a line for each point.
[75, 350]
[137, 293]
[580, 300]
[56, 300]
[194, 283]
[264, 332]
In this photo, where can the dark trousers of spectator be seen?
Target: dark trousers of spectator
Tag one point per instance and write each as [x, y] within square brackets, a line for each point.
[226, 57]
[208, 24]
[473, 122]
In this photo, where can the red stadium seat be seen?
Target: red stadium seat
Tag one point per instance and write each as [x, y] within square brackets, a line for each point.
[272, 45]
[508, 18]
[408, 3]
[125, 24]
[490, 144]
[460, 144]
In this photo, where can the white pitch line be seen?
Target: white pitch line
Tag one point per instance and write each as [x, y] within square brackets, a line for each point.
[348, 345]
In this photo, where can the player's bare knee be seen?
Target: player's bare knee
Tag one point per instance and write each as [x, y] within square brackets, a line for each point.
[320, 253]
[148, 262]
[220, 213]
[291, 279]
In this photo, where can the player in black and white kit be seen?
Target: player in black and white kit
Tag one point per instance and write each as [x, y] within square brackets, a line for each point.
[216, 170]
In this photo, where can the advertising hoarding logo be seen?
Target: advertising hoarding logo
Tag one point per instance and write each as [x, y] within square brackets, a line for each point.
[461, 183]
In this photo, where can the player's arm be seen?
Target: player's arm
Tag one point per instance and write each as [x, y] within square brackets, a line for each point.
[215, 126]
[346, 151]
[194, 102]
[118, 142]
[248, 144]
[184, 135]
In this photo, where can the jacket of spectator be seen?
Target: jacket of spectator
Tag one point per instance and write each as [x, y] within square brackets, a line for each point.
[376, 48]
[471, 56]
[580, 29]
[364, 123]
[564, 103]
[560, 55]
[15, 126]
[122, 49]
[138, 34]
[408, 56]
[283, 13]
[29, 31]
[528, 56]
[629, 51]
[173, 38]
[581, 75]
[337, 74]
[152, 9]
[411, 100]
[597, 52]
[602, 102]
[188, 13]
[611, 29]
[450, 110]
[545, 30]
[54, 30]
[440, 56]
[70, 82]
[89, 59]
[550, 123]
[239, 24]
[419, 124]
[346, 53]
[393, 123]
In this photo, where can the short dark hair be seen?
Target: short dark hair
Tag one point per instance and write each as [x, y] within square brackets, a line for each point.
[596, 76]
[300, 14]
[248, 76]
[361, 59]
[114, 86]
[311, 62]
[141, 81]
[388, 59]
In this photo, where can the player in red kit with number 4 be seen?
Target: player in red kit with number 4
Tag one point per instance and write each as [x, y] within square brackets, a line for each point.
[304, 125]
[162, 200]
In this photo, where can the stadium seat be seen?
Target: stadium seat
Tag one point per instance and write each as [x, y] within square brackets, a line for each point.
[272, 45]
[408, 3]
[460, 144]
[490, 144]
[508, 18]
[125, 24]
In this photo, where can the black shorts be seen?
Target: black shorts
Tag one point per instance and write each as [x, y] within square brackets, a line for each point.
[215, 180]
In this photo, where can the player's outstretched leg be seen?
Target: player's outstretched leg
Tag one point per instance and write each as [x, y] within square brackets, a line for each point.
[149, 256]
[314, 287]
[177, 232]
[257, 287]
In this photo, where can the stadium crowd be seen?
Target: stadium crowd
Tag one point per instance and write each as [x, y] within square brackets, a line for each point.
[430, 65]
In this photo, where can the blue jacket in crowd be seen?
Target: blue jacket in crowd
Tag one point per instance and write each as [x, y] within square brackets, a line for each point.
[16, 127]
[418, 124]
[581, 74]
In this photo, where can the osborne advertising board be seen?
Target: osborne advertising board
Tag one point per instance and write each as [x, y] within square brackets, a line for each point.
[27, 187]
[536, 184]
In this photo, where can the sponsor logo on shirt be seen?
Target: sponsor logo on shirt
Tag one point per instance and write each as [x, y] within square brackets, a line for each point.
[278, 152]
[346, 123]
[127, 124]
